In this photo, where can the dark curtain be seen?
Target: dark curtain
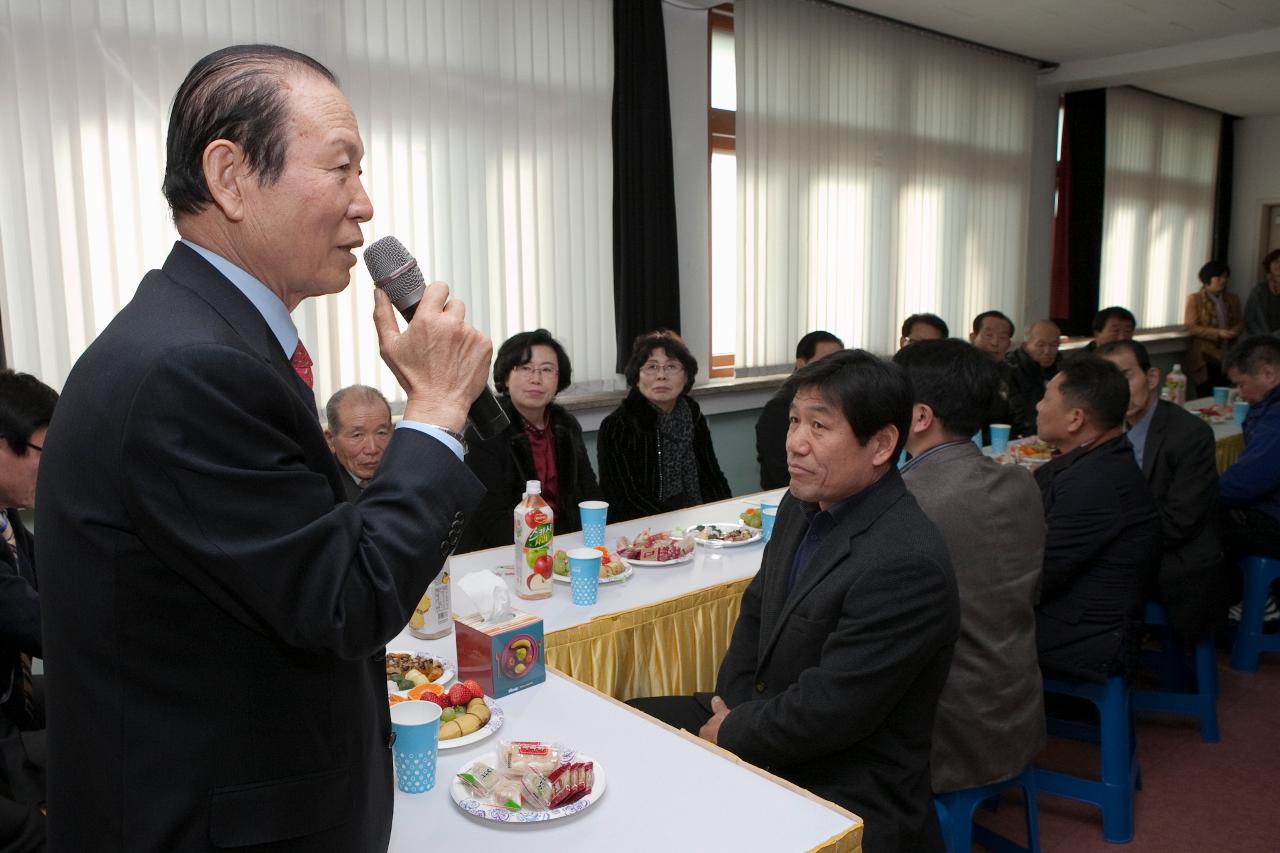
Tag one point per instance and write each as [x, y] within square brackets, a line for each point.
[1084, 135]
[1222, 193]
[646, 276]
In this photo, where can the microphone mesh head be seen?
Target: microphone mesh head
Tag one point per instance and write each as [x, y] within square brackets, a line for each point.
[383, 257]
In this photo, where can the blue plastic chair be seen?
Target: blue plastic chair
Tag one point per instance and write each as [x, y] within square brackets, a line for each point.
[956, 809]
[1114, 793]
[1259, 573]
[1197, 698]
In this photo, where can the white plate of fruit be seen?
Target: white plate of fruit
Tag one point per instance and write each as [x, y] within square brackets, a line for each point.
[612, 569]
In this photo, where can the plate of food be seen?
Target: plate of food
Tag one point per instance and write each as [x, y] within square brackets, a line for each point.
[724, 534]
[1215, 414]
[406, 671]
[466, 715]
[665, 548]
[528, 782]
[612, 569]
[1031, 452]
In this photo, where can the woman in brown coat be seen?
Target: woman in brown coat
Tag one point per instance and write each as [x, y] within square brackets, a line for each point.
[1213, 321]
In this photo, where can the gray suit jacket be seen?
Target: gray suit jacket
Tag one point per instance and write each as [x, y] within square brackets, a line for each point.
[990, 721]
[833, 684]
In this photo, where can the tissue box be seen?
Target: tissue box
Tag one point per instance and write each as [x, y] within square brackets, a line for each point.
[504, 657]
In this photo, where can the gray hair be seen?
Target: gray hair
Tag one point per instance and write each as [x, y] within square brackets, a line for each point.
[359, 393]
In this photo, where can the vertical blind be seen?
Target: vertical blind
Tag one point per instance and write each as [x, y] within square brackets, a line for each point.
[486, 126]
[1157, 206]
[881, 172]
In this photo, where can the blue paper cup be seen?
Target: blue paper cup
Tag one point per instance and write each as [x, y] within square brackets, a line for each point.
[584, 575]
[999, 437]
[1221, 395]
[1238, 411]
[766, 520]
[416, 726]
[593, 515]
[769, 504]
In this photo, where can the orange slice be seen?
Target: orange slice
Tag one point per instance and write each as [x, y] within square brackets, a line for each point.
[393, 699]
[416, 692]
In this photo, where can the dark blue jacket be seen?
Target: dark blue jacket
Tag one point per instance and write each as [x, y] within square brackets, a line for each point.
[1254, 479]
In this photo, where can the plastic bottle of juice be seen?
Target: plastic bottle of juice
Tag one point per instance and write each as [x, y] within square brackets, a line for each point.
[1176, 382]
[534, 523]
[433, 617]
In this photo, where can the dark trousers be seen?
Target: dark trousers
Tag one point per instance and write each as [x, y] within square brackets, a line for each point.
[682, 712]
[1247, 531]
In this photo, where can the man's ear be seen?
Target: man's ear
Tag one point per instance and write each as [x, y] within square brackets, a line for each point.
[328, 439]
[224, 167]
[921, 417]
[1076, 420]
[885, 440]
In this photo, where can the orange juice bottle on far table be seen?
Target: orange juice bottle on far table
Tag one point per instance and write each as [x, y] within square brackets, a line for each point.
[534, 522]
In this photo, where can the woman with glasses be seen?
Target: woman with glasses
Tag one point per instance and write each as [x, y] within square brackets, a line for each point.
[543, 443]
[655, 449]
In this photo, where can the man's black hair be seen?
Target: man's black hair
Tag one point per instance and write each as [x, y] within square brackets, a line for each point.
[1100, 319]
[1250, 354]
[26, 404]
[808, 345]
[953, 378]
[1139, 351]
[999, 315]
[1098, 387]
[871, 393]
[929, 320]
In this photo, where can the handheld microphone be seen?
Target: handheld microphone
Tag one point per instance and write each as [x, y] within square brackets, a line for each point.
[395, 272]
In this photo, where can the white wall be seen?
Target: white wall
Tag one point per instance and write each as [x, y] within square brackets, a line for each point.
[1256, 182]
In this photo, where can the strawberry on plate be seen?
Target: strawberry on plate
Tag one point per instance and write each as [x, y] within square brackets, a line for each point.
[477, 692]
[434, 698]
[459, 694]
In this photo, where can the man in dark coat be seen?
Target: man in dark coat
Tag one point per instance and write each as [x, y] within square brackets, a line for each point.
[215, 612]
[357, 428]
[1031, 366]
[26, 407]
[1177, 453]
[771, 428]
[1102, 545]
[845, 636]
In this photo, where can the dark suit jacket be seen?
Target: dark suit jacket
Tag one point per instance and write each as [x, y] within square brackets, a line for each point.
[504, 464]
[215, 612]
[1027, 380]
[1181, 466]
[19, 617]
[1102, 548]
[834, 686]
[991, 713]
[771, 441]
[629, 449]
[350, 490]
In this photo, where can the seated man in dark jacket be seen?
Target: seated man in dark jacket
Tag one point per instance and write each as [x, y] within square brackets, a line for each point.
[1102, 543]
[26, 407]
[1249, 490]
[771, 428]
[1031, 366]
[1177, 453]
[845, 637]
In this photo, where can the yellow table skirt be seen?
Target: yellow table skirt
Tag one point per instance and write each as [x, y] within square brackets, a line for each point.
[1229, 451]
[670, 648]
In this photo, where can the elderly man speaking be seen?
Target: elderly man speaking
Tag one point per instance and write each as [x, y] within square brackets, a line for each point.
[215, 612]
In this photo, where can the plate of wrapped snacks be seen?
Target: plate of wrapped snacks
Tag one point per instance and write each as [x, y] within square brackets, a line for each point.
[528, 782]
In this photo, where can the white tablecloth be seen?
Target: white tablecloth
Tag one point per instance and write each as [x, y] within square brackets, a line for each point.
[709, 567]
[664, 791]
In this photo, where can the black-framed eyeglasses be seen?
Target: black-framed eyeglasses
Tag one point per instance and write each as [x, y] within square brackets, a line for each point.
[34, 446]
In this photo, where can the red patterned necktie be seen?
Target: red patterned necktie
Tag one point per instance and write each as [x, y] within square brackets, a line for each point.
[301, 362]
[11, 541]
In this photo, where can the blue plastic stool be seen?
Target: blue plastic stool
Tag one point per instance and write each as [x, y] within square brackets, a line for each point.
[1115, 734]
[956, 808]
[1259, 573]
[1174, 697]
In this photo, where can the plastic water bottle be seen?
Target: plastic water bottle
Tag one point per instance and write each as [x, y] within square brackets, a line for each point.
[1176, 382]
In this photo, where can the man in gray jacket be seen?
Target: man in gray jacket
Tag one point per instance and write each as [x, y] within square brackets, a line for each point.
[990, 720]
